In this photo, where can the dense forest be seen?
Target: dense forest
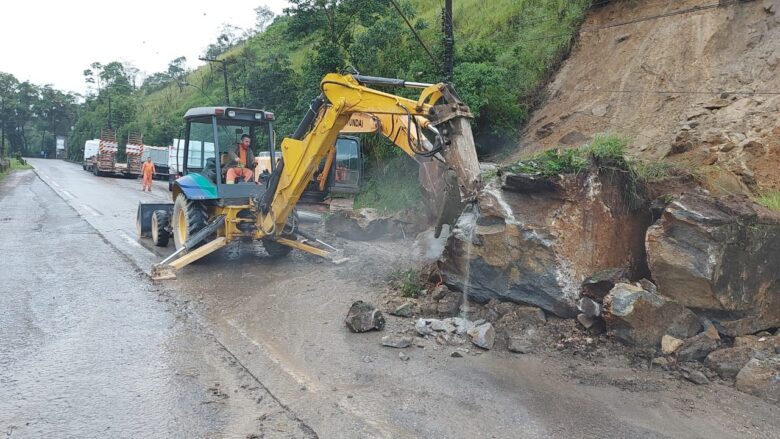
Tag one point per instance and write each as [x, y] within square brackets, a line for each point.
[504, 51]
[32, 116]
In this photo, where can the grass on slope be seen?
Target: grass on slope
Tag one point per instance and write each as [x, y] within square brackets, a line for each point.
[770, 200]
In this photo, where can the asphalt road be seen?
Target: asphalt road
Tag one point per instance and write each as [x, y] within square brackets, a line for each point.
[282, 323]
[90, 348]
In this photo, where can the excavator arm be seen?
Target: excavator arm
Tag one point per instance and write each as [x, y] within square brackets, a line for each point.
[345, 96]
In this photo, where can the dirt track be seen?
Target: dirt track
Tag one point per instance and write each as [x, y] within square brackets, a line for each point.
[283, 322]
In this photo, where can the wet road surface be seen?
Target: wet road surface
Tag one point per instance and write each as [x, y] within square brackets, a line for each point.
[89, 348]
[283, 321]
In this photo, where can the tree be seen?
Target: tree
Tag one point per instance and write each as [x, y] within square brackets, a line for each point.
[177, 68]
[263, 17]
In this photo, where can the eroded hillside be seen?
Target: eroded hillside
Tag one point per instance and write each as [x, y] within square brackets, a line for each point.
[693, 80]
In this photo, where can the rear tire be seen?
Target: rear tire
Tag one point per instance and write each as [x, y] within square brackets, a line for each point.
[160, 228]
[189, 217]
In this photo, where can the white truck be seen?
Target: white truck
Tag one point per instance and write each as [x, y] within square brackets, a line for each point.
[199, 152]
[160, 157]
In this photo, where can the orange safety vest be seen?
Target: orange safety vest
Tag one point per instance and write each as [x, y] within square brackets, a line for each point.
[148, 168]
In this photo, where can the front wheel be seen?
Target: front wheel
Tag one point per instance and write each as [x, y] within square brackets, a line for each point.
[160, 228]
[189, 217]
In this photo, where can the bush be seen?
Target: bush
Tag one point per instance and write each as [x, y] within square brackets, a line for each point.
[408, 282]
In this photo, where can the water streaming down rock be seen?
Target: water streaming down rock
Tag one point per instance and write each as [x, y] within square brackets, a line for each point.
[467, 223]
[534, 241]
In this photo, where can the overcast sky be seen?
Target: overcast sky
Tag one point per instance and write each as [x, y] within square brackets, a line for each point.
[52, 42]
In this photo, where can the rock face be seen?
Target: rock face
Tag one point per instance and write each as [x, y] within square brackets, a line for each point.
[534, 241]
[761, 378]
[719, 257]
[363, 317]
[642, 318]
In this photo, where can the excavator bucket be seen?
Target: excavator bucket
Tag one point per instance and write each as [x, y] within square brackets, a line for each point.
[450, 187]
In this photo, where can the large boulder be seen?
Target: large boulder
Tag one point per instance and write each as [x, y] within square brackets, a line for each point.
[535, 240]
[761, 378]
[640, 317]
[720, 258]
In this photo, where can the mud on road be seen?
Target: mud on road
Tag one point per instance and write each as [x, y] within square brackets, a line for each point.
[281, 320]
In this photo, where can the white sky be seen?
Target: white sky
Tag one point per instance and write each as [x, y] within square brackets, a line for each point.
[52, 42]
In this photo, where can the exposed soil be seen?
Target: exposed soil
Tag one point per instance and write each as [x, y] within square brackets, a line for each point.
[695, 86]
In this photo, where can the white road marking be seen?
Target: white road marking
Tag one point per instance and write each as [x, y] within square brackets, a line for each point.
[68, 194]
[54, 183]
[91, 210]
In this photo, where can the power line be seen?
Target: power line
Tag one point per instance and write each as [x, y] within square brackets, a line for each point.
[414, 32]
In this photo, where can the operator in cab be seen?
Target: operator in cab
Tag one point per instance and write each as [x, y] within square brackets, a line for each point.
[241, 158]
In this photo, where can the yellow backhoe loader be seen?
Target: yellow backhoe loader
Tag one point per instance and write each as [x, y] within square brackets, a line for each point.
[208, 213]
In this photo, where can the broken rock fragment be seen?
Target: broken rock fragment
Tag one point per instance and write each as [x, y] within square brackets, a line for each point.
[697, 347]
[761, 378]
[363, 317]
[642, 318]
[729, 361]
[396, 342]
[404, 310]
[483, 335]
[669, 344]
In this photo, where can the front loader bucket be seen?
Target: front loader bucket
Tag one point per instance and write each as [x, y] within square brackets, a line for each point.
[143, 218]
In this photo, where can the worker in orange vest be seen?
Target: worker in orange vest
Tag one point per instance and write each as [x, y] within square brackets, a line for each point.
[241, 158]
[148, 171]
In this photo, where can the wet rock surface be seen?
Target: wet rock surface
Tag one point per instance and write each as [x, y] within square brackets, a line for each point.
[719, 257]
[642, 318]
[517, 247]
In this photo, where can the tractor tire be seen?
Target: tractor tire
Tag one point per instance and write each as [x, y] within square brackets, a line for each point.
[161, 222]
[189, 217]
[274, 249]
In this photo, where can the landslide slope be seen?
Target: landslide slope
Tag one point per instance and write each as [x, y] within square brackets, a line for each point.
[696, 81]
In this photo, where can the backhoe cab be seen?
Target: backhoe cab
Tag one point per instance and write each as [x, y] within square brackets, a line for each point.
[208, 213]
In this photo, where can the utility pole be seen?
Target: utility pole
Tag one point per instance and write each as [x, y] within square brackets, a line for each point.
[109, 111]
[2, 126]
[224, 75]
[449, 40]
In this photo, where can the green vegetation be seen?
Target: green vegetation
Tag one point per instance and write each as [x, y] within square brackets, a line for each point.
[606, 152]
[408, 282]
[770, 200]
[553, 162]
[505, 51]
[392, 187]
[15, 164]
[32, 116]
